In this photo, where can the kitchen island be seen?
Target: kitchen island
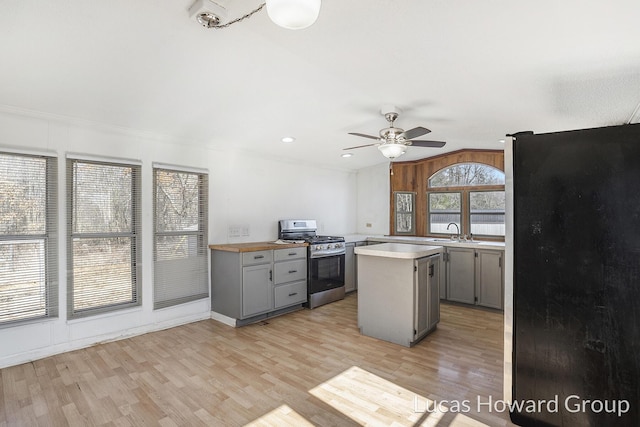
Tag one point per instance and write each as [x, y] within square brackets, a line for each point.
[398, 291]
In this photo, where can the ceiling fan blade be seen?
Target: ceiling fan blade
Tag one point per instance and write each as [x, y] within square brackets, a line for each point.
[360, 146]
[415, 132]
[363, 135]
[433, 144]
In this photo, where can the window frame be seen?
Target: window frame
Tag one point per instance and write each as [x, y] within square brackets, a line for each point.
[428, 207]
[201, 234]
[411, 213]
[49, 238]
[134, 234]
[485, 190]
[465, 225]
[465, 190]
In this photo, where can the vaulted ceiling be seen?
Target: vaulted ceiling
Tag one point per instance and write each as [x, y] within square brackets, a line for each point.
[471, 71]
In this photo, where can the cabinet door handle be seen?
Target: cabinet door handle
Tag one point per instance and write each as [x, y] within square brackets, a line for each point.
[292, 253]
[270, 275]
[293, 271]
[431, 270]
[500, 262]
[258, 256]
[293, 294]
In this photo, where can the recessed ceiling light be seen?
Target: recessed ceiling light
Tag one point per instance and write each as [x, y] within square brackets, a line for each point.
[288, 139]
[347, 155]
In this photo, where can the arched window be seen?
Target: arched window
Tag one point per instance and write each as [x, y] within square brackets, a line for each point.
[467, 174]
[469, 195]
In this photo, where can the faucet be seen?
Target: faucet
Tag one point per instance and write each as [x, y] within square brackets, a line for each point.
[457, 228]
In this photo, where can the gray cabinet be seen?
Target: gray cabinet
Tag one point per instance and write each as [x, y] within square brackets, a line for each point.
[290, 277]
[475, 276]
[427, 309]
[257, 288]
[257, 293]
[398, 298]
[434, 287]
[249, 286]
[489, 278]
[351, 266]
[461, 275]
[442, 267]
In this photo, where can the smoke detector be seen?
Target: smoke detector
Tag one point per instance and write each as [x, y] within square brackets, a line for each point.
[207, 13]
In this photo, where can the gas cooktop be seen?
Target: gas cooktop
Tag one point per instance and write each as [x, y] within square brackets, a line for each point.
[324, 239]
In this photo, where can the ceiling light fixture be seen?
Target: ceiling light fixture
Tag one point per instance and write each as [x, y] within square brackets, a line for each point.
[293, 14]
[392, 150]
[345, 155]
[288, 139]
[289, 14]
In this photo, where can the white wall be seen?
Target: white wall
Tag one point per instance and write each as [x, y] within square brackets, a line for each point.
[373, 200]
[244, 190]
[254, 193]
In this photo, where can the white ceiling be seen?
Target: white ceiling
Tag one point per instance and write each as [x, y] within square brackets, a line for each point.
[469, 70]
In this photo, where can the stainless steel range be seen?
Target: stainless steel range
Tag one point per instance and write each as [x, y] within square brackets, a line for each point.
[325, 260]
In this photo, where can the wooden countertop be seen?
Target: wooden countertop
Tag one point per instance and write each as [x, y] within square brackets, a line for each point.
[255, 246]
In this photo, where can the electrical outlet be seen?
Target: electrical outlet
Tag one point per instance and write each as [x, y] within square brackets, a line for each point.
[245, 231]
[234, 231]
[368, 225]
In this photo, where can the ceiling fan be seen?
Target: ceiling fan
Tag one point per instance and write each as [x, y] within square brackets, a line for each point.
[393, 141]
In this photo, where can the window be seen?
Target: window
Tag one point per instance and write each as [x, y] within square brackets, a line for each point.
[471, 195]
[180, 237]
[28, 238]
[467, 175]
[486, 213]
[104, 236]
[444, 208]
[405, 215]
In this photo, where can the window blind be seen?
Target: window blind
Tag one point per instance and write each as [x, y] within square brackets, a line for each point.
[180, 237]
[28, 237]
[103, 250]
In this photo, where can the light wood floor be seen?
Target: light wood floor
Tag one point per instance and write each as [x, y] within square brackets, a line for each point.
[311, 367]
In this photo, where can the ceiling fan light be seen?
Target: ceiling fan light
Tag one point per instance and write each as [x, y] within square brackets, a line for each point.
[391, 151]
[293, 14]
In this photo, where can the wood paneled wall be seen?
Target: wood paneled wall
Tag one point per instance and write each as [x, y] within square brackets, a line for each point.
[413, 176]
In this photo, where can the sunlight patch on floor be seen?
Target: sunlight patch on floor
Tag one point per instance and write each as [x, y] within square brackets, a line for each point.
[370, 400]
[461, 420]
[281, 416]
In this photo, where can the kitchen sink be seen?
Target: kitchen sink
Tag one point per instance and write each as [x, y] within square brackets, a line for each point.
[454, 241]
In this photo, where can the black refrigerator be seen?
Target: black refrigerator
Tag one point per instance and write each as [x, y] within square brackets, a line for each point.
[576, 280]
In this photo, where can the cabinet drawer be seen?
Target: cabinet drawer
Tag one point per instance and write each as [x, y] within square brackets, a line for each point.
[291, 293]
[290, 271]
[257, 257]
[291, 253]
